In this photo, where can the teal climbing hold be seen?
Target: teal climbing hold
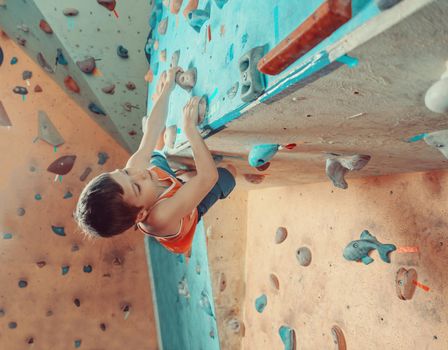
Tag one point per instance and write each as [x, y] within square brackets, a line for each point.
[288, 337]
[60, 58]
[102, 158]
[59, 230]
[67, 195]
[95, 109]
[197, 18]
[122, 52]
[230, 54]
[205, 304]
[351, 62]
[261, 154]
[77, 343]
[38, 197]
[221, 3]
[65, 269]
[260, 303]
[180, 258]
[14, 60]
[23, 283]
[7, 236]
[87, 268]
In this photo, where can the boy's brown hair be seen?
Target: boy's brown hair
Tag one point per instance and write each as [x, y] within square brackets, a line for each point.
[101, 210]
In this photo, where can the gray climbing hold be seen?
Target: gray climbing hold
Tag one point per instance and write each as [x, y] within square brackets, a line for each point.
[122, 52]
[280, 235]
[12, 325]
[438, 140]
[26, 75]
[87, 65]
[70, 12]
[130, 85]
[4, 118]
[386, 4]
[85, 173]
[303, 255]
[21, 212]
[21, 41]
[43, 63]
[23, 27]
[23, 284]
[231, 93]
[337, 166]
[252, 81]
[204, 303]
[20, 90]
[102, 158]
[187, 80]
[109, 89]
[47, 131]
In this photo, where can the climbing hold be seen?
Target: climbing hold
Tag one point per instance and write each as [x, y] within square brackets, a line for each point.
[1, 56]
[20, 90]
[263, 167]
[197, 18]
[59, 230]
[162, 55]
[45, 27]
[438, 140]
[70, 12]
[222, 282]
[436, 98]
[163, 25]
[198, 268]
[87, 65]
[23, 283]
[109, 89]
[156, 15]
[230, 54]
[187, 80]
[149, 77]
[338, 338]
[202, 109]
[4, 118]
[2, 313]
[103, 327]
[405, 283]
[122, 51]
[175, 6]
[30, 340]
[130, 85]
[260, 154]
[252, 81]
[78, 341]
[43, 63]
[102, 158]
[20, 212]
[182, 287]
[254, 178]
[109, 4]
[49, 313]
[67, 195]
[337, 166]
[47, 131]
[60, 58]
[41, 263]
[23, 27]
[280, 235]
[26, 75]
[170, 136]
[275, 284]
[71, 84]
[21, 41]
[236, 326]
[14, 60]
[7, 235]
[221, 3]
[205, 304]
[38, 88]
[128, 106]
[95, 109]
[231, 93]
[38, 197]
[65, 269]
[126, 308]
[191, 6]
[303, 255]
[117, 261]
[12, 325]
[75, 247]
[288, 337]
[260, 303]
[85, 173]
[62, 165]
[87, 268]
[175, 59]
[360, 249]
[386, 4]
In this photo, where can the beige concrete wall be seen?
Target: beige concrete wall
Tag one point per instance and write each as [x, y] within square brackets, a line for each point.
[406, 210]
[101, 292]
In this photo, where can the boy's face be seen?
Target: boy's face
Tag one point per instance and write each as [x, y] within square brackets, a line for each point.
[139, 186]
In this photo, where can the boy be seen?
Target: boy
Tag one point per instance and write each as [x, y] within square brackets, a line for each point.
[153, 199]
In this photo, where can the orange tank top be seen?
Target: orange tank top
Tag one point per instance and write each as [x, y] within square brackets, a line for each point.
[181, 241]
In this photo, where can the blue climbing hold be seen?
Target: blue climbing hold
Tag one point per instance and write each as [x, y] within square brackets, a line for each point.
[288, 337]
[95, 109]
[14, 60]
[156, 15]
[38, 197]
[102, 158]
[23, 283]
[65, 269]
[77, 343]
[67, 195]
[260, 303]
[59, 230]
[221, 3]
[7, 235]
[60, 59]
[197, 18]
[87, 268]
[122, 51]
[1, 56]
[261, 154]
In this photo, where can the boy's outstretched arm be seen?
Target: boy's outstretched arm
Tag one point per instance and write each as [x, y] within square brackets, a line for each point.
[155, 123]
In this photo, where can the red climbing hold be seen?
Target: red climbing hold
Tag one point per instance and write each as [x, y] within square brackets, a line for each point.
[62, 165]
[263, 167]
[45, 27]
[109, 4]
[290, 146]
[71, 84]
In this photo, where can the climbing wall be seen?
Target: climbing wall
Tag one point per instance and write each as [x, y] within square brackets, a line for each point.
[64, 33]
[59, 290]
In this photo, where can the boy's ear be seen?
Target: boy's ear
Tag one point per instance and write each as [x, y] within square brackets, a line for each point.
[142, 214]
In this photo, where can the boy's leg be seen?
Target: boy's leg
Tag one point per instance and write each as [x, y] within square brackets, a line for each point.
[223, 187]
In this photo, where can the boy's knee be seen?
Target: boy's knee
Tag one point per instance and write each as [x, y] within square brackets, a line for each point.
[226, 182]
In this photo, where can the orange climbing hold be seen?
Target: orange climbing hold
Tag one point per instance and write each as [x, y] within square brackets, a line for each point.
[71, 84]
[321, 24]
[149, 77]
[191, 6]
